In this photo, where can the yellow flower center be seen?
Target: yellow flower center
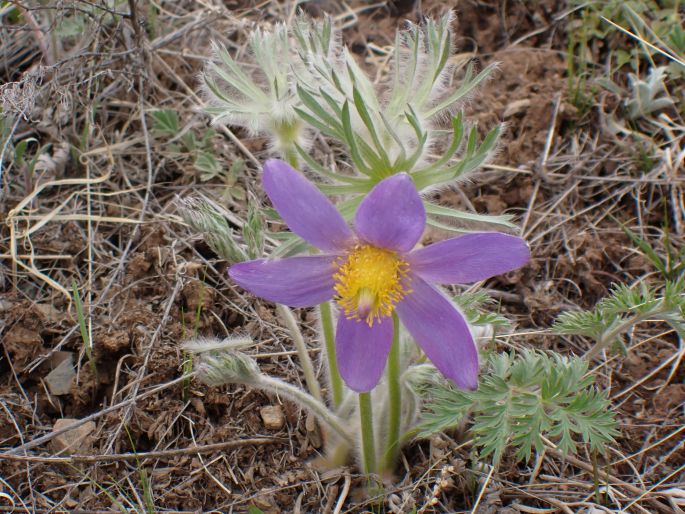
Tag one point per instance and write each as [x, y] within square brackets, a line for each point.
[369, 283]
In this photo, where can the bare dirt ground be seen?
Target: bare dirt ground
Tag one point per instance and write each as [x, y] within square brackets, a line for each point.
[98, 211]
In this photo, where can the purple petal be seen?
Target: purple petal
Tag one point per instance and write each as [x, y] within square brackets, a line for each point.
[392, 215]
[362, 351]
[469, 258]
[296, 281]
[304, 208]
[441, 331]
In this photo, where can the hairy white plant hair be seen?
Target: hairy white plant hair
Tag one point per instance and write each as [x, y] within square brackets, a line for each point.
[259, 95]
[296, 79]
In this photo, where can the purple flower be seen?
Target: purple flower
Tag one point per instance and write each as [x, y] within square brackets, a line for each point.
[373, 271]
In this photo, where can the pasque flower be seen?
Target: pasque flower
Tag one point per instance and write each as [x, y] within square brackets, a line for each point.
[373, 271]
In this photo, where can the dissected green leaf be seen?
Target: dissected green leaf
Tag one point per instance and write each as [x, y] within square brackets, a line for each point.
[165, 123]
[471, 305]
[208, 165]
[521, 400]
[623, 308]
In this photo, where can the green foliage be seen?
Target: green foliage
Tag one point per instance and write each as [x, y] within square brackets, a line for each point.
[165, 123]
[657, 22]
[233, 189]
[208, 218]
[75, 22]
[20, 149]
[147, 503]
[6, 123]
[399, 131]
[260, 100]
[207, 164]
[659, 31]
[187, 362]
[643, 99]
[85, 334]
[438, 213]
[384, 138]
[654, 30]
[185, 143]
[523, 398]
[304, 81]
[626, 306]
[253, 232]
[25, 155]
[220, 362]
[475, 307]
[648, 96]
[577, 67]
[671, 266]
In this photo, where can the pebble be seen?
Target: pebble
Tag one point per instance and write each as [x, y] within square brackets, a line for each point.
[272, 417]
[59, 379]
[516, 107]
[75, 441]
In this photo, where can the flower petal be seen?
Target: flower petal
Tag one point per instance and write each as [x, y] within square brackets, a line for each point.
[362, 351]
[469, 258]
[392, 215]
[304, 208]
[441, 331]
[295, 281]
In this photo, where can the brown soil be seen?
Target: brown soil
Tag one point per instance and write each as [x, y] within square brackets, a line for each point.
[149, 286]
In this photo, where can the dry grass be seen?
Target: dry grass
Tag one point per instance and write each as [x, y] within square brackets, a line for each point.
[97, 207]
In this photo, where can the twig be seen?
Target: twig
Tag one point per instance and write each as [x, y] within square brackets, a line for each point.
[82, 421]
[303, 353]
[650, 45]
[37, 34]
[148, 192]
[482, 490]
[610, 478]
[343, 494]
[162, 454]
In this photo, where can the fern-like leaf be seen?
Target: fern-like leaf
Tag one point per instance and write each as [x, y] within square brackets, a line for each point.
[522, 400]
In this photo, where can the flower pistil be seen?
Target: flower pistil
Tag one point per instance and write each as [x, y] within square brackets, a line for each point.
[369, 282]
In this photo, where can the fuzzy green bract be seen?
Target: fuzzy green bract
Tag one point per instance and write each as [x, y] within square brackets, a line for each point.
[306, 82]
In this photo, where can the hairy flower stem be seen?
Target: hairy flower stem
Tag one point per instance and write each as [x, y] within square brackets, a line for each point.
[306, 401]
[609, 337]
[368, 445]
[291, 157]
[329, 341]
[287, 135]
[307, 366]
[395, 400]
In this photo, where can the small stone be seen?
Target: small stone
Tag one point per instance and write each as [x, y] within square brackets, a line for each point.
[516, 107]
[59, 379]
[75, 441]
[272, 417]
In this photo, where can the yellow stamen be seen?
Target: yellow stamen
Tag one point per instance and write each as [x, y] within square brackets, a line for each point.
[369, 283]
